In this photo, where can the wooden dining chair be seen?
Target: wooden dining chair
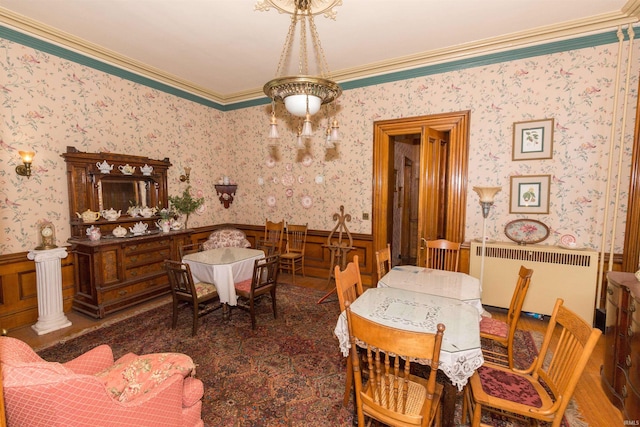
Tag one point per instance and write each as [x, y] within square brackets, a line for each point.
[503, 332]
[543, 391]
[293, 258]
[348, 287]
[263, 281]
[202, 297]
[189, 249]
[391, 394]
[442, 254]
[271, 243]
[383, 261]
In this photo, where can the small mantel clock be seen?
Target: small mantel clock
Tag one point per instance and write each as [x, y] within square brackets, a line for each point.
[46, 236]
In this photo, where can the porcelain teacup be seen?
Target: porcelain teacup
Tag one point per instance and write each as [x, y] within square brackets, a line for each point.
[127, 169]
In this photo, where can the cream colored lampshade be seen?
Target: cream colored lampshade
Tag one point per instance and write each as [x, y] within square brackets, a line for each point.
[487, 194]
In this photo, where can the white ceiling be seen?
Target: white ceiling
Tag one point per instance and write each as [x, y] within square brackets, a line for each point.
[225, 50]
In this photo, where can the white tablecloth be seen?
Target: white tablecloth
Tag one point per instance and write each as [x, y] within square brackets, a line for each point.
[223, 267]
[443, 283]
[460, 354]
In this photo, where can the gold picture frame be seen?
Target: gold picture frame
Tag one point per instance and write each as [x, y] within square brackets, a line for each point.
[533, 140]
[529, 194]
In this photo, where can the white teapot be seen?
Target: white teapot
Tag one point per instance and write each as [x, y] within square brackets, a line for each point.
[139, 228]
[127, 169]
[146, 170]
[111, 214]
[147, 212]
[104, 167]
[175, 225]
[133, 210]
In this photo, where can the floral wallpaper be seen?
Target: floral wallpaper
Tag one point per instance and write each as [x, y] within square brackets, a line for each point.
[49, 103]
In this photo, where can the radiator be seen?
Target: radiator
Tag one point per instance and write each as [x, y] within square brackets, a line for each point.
[570, 274]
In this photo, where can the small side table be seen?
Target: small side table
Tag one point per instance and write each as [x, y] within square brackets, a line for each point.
[51, 315]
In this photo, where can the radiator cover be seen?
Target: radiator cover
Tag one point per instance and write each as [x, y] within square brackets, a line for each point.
[570, 274]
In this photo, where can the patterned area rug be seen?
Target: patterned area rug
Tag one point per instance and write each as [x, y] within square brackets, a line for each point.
[286, 372]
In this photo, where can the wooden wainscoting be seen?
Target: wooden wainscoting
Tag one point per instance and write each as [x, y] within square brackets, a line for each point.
[18, 289]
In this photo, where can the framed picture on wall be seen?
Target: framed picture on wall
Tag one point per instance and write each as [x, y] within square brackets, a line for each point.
[529, 194]
[533, 140]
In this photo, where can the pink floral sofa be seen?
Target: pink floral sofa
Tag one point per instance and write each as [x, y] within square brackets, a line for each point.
[227, 238]
[92, 390]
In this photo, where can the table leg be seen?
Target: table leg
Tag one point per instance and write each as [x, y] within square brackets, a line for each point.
[226, 313]
[450, 393]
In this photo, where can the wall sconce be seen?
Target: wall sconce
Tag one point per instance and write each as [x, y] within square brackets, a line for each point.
[487, 194]
[187, 174]
[25, 168]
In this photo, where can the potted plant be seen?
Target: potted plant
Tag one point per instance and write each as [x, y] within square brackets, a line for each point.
[185, 204]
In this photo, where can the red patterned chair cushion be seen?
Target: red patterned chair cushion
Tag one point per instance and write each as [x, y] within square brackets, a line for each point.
[227, 238]
[203, 288]
[132, 376]
[245, 285]
[507, 386]
[495, 327]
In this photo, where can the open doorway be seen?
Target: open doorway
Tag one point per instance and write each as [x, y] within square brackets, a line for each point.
[433, 151]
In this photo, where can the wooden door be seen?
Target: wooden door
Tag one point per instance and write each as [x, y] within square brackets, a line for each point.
[434, 178]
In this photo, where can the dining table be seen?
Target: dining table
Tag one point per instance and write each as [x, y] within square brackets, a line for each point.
[460, 353]
[223, 267]
[450, 284]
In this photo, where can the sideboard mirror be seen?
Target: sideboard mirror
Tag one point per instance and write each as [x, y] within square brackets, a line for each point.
[120, 193]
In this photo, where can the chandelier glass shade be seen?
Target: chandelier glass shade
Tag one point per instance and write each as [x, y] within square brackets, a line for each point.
[303, 94]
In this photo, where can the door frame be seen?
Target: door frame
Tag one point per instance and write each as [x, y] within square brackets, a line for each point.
[457, 124]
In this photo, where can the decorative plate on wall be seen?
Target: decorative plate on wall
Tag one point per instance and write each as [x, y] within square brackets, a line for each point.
[523, 231]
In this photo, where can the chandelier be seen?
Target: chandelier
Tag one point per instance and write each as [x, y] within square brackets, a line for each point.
[303, 94]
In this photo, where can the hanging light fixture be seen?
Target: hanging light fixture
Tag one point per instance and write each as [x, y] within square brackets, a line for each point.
[303, 94]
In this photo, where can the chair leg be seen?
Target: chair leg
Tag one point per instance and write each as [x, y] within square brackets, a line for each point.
[273, 303]
[252, 312]
[293, 270]
[174, 321]
[348, 383]
[194, 328]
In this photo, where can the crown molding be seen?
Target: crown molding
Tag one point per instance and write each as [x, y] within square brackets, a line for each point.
[629, 15]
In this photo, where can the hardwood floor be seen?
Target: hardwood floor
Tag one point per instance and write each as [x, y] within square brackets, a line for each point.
[595, 407]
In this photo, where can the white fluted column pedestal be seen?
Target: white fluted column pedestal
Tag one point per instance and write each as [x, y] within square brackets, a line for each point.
[51, 315]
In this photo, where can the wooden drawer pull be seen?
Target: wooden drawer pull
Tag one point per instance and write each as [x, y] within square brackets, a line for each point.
[122, 293]
[609, 290]
[627, 360]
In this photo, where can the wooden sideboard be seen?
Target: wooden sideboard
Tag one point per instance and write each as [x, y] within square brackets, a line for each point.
[115, 273]
[620, 372]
